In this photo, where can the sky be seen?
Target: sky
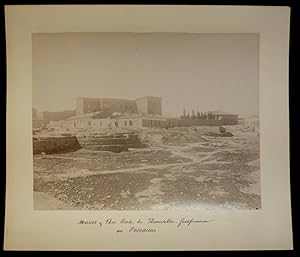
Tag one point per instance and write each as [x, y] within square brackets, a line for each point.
[200, 72]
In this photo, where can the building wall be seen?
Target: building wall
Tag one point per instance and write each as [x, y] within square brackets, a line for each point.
[149, 105]
[170, 123]
[55, 145]
[189, 123]
[101, 123]
[144, 105]
[158, 123]
[38, 123]
[56, 116]
[37, 115]
[140, 122]
[55, 124]
[154, 105]
[229, 119]
[79, 106]
[118, 105]
[78, 123]
[127, 123]
[136, 122]
[87, 105]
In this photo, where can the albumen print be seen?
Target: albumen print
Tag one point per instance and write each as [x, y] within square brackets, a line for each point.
[146, 121]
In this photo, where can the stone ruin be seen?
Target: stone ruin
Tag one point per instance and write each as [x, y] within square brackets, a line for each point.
[55, 144]
[114, 142]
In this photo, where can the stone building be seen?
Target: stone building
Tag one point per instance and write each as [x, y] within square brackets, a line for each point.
[36, 114]
[227, 118]
[57, 116]
[214, 118]
[38, 124]
[103, 120]
[86, 105]
[118, 105]
[149, 105]
[143, 105]
[37, 119]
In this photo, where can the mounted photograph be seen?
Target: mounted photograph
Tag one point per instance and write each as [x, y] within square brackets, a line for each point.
[146, 121]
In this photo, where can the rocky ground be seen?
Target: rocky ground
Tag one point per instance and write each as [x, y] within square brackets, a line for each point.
[182, 168]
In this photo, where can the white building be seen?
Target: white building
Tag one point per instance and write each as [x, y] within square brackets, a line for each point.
[104, 120]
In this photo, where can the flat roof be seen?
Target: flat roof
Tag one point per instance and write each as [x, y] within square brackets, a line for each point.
[145, 97]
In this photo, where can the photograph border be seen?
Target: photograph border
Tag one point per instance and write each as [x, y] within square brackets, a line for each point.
[13, 134]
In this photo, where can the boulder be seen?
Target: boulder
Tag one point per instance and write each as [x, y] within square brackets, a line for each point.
[222, 129]
[227, 134]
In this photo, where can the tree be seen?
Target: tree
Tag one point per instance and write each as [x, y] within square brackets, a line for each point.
[198, 115]
[193, 116]
[188, 116]
[184, 114]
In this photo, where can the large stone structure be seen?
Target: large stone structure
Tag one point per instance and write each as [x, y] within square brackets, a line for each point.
[57, 116]
[41, 119]
[55, 144]
[118, 105]
[103, 120]
[86, 105]
[144, 105]
[37, 119]
[149, 105]
[214, 118]
[116, 142]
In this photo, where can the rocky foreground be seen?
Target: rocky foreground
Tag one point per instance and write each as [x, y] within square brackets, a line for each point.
[182, 168]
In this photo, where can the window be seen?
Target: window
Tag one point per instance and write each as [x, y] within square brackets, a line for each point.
[130, 123]
[125, 123]
[116, 124]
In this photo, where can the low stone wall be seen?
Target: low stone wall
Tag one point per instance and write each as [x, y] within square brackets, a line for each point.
[50, 145]
[114, 143]
[189, 123]
[106, 141]
[116, 148]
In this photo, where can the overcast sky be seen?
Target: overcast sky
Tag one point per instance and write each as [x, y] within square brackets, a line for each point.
[193, 71]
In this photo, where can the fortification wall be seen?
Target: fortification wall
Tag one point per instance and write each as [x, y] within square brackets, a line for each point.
[51, 145]
[118, 105]
[114, 143]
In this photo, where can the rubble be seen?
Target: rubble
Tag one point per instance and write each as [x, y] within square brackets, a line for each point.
[185, 169]
[227, 134]
[222, 129]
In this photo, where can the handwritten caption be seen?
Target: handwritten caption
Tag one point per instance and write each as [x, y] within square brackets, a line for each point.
[144, 225]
